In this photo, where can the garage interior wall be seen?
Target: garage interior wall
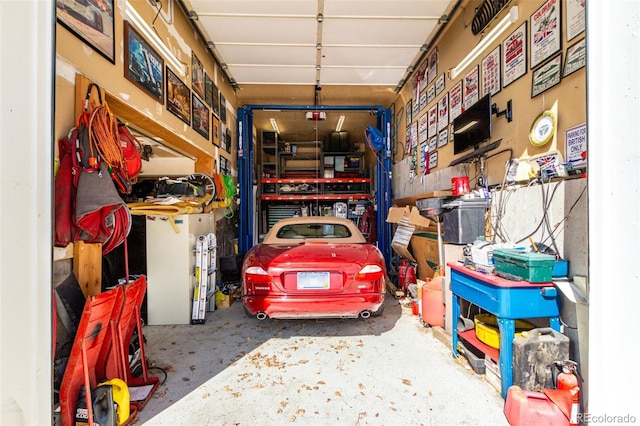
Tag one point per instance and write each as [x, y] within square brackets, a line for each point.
[25, 265]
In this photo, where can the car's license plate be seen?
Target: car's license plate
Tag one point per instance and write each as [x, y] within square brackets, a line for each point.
[313, 280]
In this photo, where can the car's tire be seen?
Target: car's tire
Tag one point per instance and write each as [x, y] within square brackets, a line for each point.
[378, 312]
[247, 313]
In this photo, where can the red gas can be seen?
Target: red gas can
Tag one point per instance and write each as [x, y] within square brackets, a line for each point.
[531, 408]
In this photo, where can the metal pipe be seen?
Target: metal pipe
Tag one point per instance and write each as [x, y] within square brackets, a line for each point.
[261, 316]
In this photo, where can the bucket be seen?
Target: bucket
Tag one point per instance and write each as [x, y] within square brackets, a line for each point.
[459, 185]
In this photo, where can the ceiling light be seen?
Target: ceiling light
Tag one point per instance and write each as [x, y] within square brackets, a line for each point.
[340, 123]
[320, 18]
[274, 124]
[193, 15]
[133, 17]
[318, 67]
[318, 46]
[211, 45]
[485, 42]
[443, 19]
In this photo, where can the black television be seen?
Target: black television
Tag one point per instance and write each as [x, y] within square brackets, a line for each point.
[473, 126]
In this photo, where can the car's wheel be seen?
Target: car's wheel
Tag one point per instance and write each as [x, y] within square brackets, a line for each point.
[249, 314]
[378, 312]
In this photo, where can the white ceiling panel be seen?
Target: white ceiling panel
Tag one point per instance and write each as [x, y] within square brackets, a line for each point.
[385, 8]
[254, 7]
[273, 75]
[268, 55]
[381, 32]
[263, 30]
[361, 76]
[367, 56]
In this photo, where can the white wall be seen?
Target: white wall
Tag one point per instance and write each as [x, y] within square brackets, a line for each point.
[613, 73]
[26, 76]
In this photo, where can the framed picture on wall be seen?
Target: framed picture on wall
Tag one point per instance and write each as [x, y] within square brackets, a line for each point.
[178, 97]
[433, 160]
[91, 22]
[215, 130]
[197, 75]
[223, 109]
[575, 18]
[546, 32]
[440, 83]
[143, 66]
[514, 55]
[215, 99]
[576, 58]
[208, 92]
[455, 100]
[223, 139]
[491, 72]
[470, 88]
[227, 137]
[409, 111]
[224, 166]
[200, 116]
[547, 76]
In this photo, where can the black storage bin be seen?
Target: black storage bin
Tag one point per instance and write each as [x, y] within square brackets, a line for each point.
[464, 221]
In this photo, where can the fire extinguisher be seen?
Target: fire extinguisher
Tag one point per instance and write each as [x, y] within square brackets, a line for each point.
[567, 379]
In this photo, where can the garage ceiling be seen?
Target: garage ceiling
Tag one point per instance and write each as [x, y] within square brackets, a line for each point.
[279, 52]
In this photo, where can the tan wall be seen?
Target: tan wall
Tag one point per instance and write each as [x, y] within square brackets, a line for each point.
[75, 56]
[568, 98]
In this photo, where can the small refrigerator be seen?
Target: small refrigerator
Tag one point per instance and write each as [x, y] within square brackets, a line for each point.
[171, 265]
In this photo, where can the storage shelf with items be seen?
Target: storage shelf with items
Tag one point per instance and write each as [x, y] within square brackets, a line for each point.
[268, 154]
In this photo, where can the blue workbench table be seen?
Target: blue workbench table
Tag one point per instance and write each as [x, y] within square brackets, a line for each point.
[508, 301]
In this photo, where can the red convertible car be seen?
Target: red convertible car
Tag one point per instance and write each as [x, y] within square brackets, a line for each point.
[313, 267]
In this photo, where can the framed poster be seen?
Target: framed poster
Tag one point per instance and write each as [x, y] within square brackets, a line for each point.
[409, 110]
[208, 92]
[423, 128]
[423, 100]
[443, 137]
[455, 101]
[433, 143]
[223, 109]
[433, 120]
[433, 160]
[443, 112]
[178, 97]
[470, 88]
[440, 84]
[547, 76]
[200, 117]
[215, 99]
[575, 18]
[491, 72]
[431, 93]
[143, 66]
[227, 136]
[197, 75]
[91, 22]
[215, 130]
[514, 55]
[225, 168]
[424, 158]
[545, 32]
[223, 134]
[432, 66]
[576, 58]
[414, 136]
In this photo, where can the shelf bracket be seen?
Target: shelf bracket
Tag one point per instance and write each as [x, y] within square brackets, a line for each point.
[508, 112]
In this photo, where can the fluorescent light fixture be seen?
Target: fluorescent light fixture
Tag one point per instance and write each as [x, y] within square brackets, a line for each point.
[132, 16]
[274, 124]
[485, 42]
[340, 123]
[466, 127]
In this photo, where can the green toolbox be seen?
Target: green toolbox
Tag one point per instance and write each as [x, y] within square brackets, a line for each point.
[532, 267]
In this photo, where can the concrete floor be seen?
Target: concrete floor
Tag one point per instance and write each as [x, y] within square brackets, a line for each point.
[381, 371]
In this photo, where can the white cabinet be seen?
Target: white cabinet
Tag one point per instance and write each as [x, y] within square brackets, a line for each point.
[171, 266]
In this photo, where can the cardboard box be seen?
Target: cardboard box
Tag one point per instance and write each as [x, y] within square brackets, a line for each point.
[408, 220]
[228, 300]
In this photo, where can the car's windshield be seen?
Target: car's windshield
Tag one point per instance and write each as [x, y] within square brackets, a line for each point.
[314, 230]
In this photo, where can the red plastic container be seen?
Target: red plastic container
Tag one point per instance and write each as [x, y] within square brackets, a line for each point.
[433, 308]
[414, 308]
[532, 408]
